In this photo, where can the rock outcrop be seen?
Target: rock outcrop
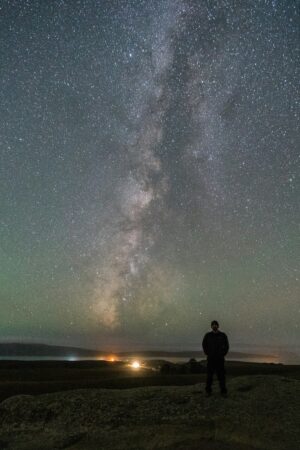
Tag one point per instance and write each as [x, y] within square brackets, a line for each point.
[261, 412]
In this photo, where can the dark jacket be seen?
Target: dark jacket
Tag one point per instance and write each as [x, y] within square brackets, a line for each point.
[215, 345]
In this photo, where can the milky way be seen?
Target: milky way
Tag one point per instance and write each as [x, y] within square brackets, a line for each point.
[149, 164]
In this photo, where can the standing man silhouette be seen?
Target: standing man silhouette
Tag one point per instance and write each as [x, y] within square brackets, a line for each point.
[215, 346]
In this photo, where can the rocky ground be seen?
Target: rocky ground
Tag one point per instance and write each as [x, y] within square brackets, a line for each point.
[261, 412]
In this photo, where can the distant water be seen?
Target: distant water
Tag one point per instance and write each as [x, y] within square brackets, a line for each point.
[276, 359]
[48, 358]
[289, 359]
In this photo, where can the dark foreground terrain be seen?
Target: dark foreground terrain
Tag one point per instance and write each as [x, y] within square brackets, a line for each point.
[101, 405]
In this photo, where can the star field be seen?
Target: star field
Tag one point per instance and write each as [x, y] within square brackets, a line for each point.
[149, 171]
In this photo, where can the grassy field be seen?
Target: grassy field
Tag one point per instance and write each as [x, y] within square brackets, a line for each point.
[38, 377]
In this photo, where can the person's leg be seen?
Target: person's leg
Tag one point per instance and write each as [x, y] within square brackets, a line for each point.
[221, 375]
[209, 377]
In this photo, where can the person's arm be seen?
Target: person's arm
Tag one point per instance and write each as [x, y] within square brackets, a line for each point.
[204, 344]
[226, 344]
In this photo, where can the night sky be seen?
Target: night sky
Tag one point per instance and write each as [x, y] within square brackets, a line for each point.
[149, 160]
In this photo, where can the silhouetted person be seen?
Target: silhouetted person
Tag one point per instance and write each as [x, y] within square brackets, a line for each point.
[215, 346]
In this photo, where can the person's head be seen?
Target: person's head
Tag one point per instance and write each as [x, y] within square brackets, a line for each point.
[214, 326]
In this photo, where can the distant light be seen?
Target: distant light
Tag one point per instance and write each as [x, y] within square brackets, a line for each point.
[135, 365]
